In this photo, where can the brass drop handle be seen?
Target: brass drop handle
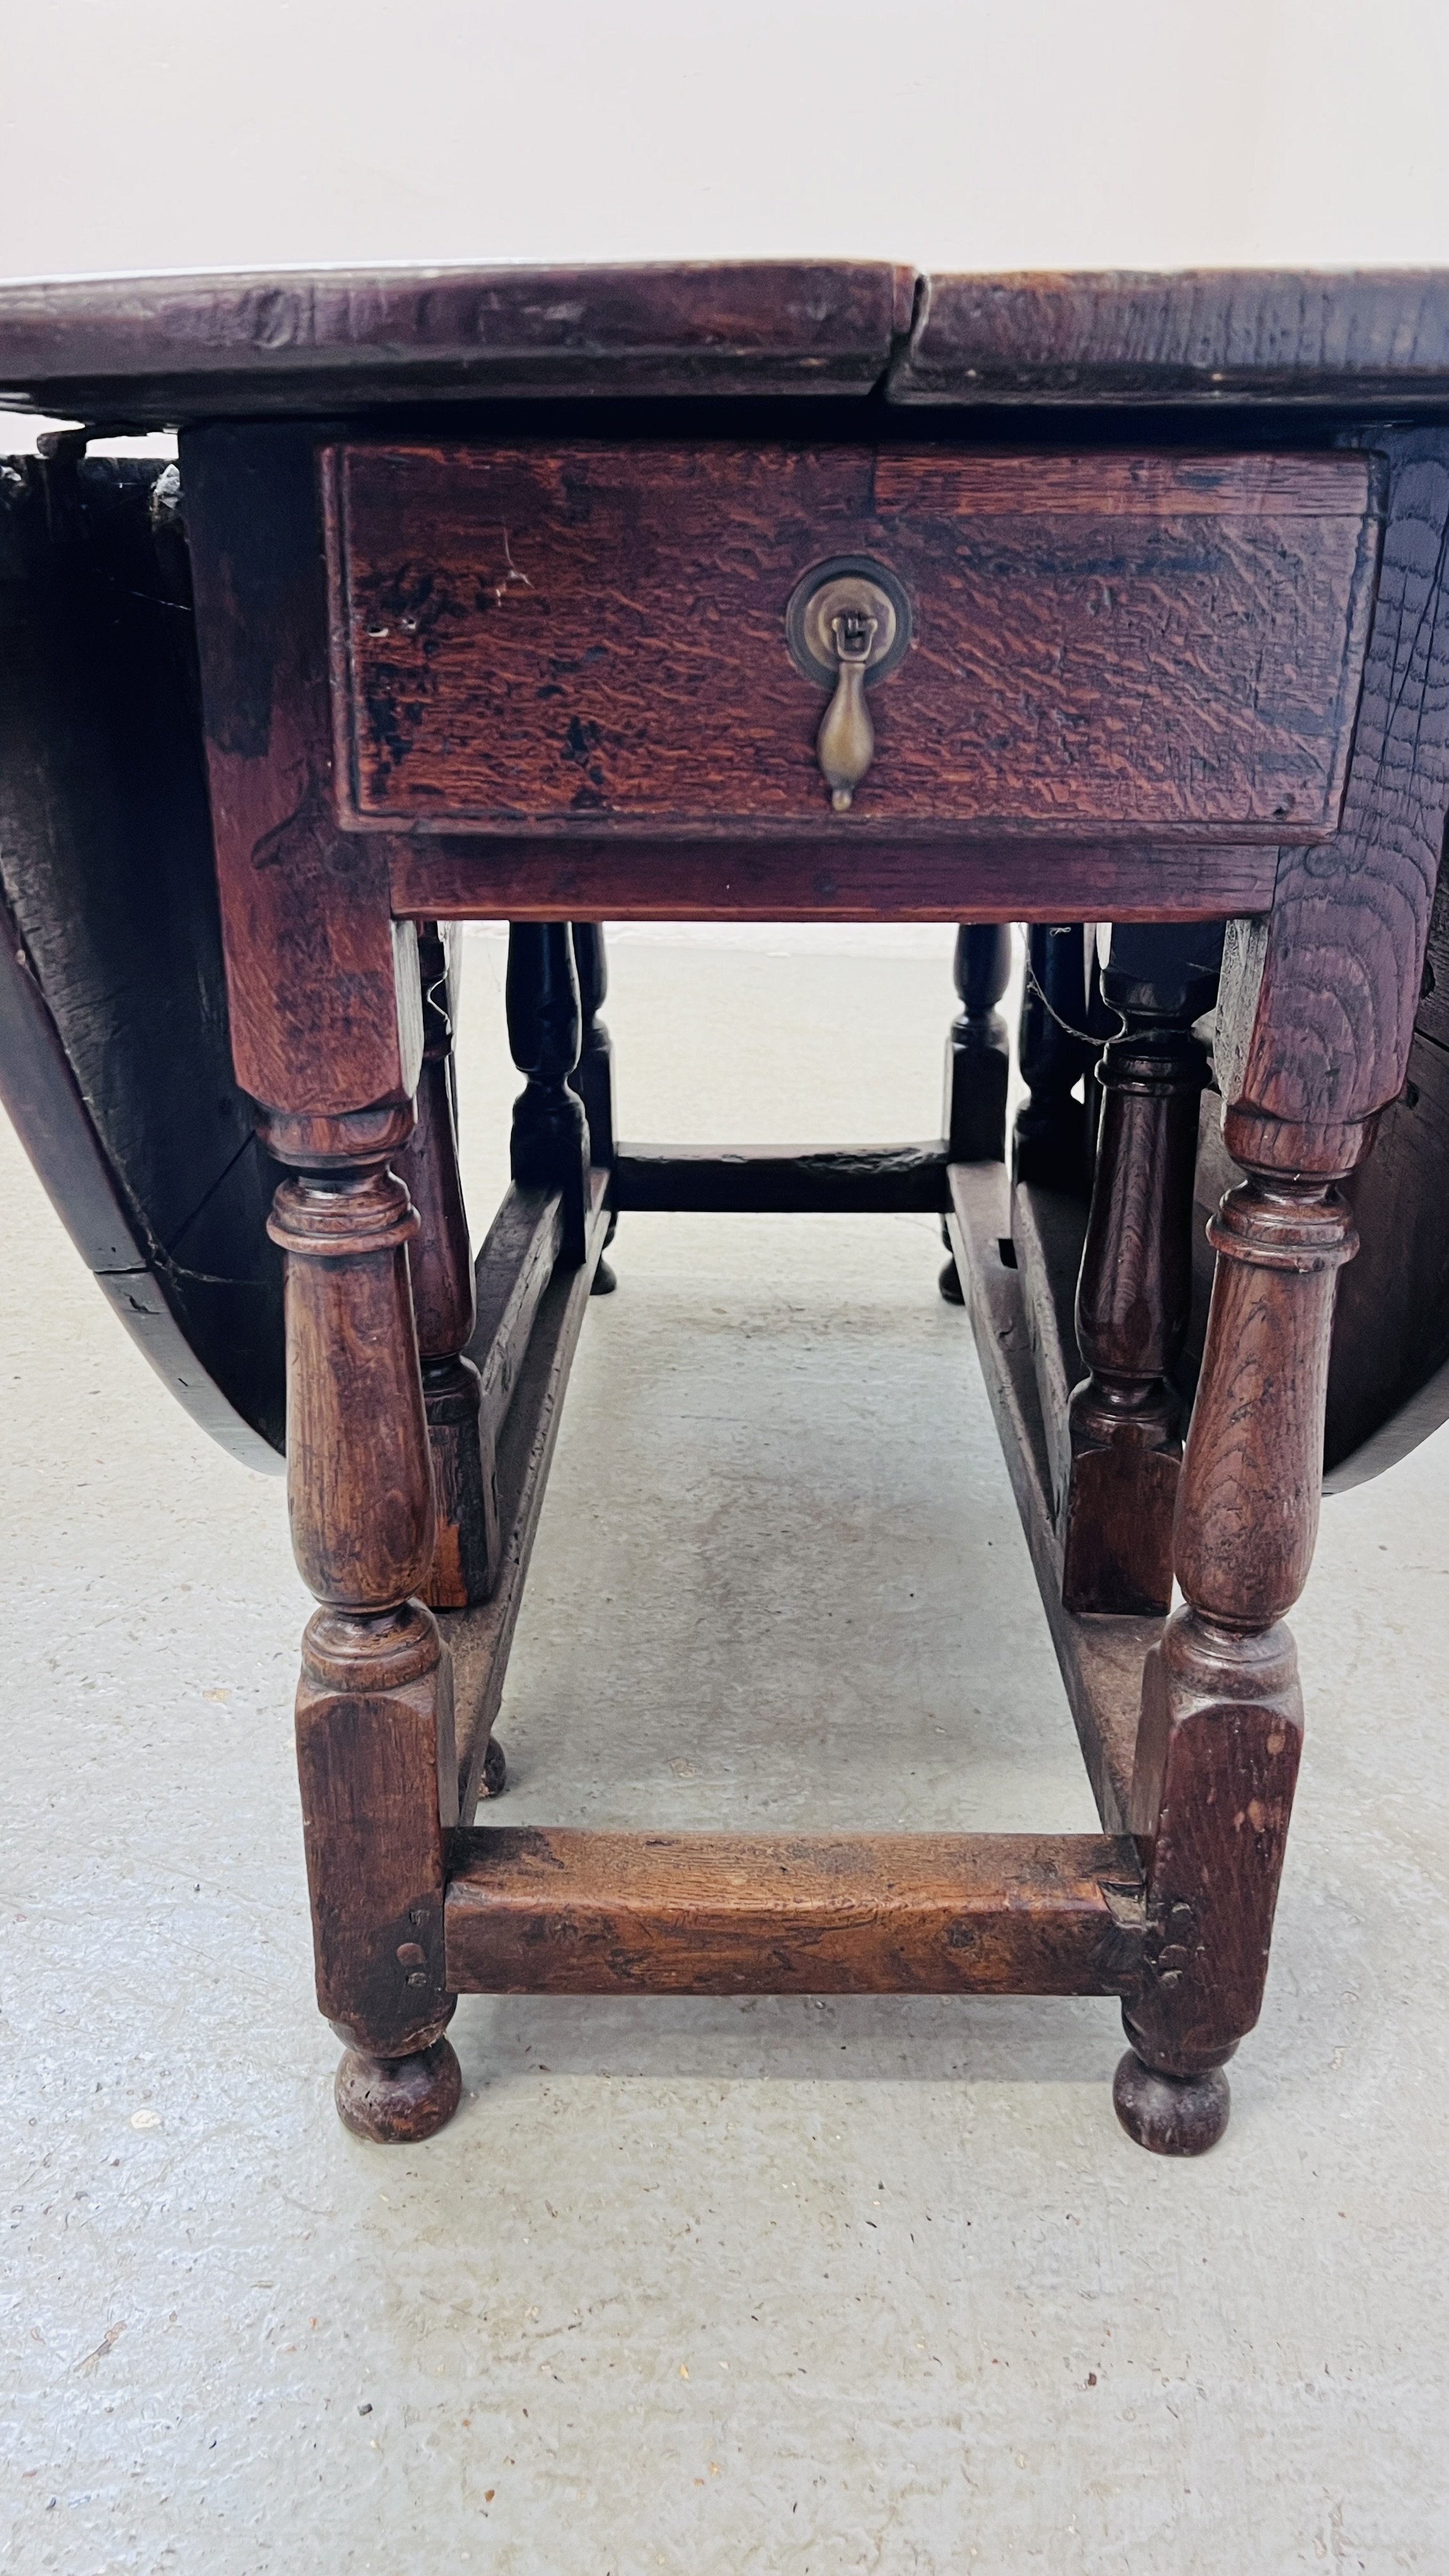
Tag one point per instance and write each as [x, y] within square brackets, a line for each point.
[845, 744]
[848, 620]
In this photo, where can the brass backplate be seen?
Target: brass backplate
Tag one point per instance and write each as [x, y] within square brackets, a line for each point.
[834, 589]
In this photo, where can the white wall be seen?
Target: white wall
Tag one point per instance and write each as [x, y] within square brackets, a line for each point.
[956, 133]
[952, 133]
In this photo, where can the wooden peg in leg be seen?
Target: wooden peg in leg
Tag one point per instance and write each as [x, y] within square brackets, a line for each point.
[1222, 1722]
[375, 1744]
[1135, 1288]
[465, 1555]
[978, 1063]
[593, 1076]
[550, 1142]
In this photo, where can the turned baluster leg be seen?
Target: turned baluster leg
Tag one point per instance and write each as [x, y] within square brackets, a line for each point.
[1312, 1045]
[465, 1555]
[375, 1744]
[326, 1034]
[593, 1076]
[1222, 1719]
[1056, 1050]
[978, 1063]
[1135, 1289]
[550, 1142]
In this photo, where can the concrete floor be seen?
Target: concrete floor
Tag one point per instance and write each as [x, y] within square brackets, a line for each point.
[714, 2287]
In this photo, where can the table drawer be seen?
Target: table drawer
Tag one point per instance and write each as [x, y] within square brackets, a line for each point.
[592, 639]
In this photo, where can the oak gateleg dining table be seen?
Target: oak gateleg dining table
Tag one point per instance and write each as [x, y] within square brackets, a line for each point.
[1109, 605]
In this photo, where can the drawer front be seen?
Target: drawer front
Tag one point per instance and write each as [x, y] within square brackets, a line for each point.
[584, 639]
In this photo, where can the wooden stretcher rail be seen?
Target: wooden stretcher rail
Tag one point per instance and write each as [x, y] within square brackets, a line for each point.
[797, 1179]
[533, 1911]
[511, 1273]
[1048, 1229]
[467, 877]
[1101, 1657]
[479, 1639]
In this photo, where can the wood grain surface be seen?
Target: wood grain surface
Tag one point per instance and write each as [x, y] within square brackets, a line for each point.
[1222, 1721]
[1388, 1370]
[359, 1481]
[155, 351]
[114, 1057]
[465, 1550]
[375, 1747]
[476, 878]
[1217, 1760]
[513, 1269]
[323, 997]
[1101, 1658]
[537, 1911]
[372, 1755]
[158, 350]
[1048, 1230]
[1194, 336]
[585, 637]
[527, 1408]
[1247, 1508]
[1315, 1027]
[1133, 1305]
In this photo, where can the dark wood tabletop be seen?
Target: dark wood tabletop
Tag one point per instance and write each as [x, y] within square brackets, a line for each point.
[164, 351]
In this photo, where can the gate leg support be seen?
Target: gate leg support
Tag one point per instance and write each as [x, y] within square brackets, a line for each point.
[978, 1064]
[1056, 1051]
[593, 1076]
[1222, 1719]
[1133, 1301]
[375, 1744]
[465, 1551]
[549, 1147]
[1135, 1290]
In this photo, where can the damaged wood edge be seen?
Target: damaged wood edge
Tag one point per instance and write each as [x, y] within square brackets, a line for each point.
[479, 1639]
[1101, 1657]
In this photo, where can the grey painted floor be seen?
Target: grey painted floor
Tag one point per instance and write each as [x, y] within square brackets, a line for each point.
[716, 2287]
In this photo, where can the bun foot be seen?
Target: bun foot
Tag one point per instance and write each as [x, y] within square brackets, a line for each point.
[395, 2101]
[949, 1284]
[495, 1769]
[605, 1281]
[1173, 2115]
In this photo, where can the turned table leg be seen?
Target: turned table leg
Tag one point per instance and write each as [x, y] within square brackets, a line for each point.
[323, 997]
[978, 1064]
[1056, 1051]
[465, 1553]
[1222, 1720]
[593, 1076]
[375, 1743]
[549, 1146]
[1135, 1288]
